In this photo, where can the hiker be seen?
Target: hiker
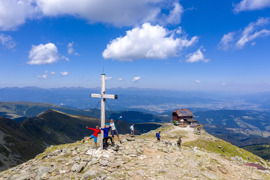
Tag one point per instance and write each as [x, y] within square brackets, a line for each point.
[132, 130]
[158, 136]
[179, 141]
[114, 130]
[94, 135]
[106, 136]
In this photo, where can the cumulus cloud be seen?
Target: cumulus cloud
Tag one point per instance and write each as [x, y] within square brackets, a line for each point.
[249, 5]
[120, 79]
[196, 56]
[197, 81]
[240, 38]
[43, 54]
[64, 73]
[7, 41]
[147, 42]
[15, 12]
[116, 12]
[136, 79]
[53, 73]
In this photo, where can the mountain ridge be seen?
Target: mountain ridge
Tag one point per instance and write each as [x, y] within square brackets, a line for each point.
[141, 157]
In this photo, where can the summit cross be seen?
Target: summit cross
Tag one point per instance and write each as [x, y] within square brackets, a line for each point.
[103, 96]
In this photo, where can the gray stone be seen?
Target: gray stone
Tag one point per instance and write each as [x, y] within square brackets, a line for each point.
[89, 174]
[103, 163]
[222, 169]
[77, 167]
[140, 173]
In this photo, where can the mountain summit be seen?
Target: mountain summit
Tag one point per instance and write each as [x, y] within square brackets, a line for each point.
[201, 156]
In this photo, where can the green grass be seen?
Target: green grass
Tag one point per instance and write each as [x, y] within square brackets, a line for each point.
[229, 149]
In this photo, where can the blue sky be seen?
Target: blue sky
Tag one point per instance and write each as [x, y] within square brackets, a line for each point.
[182, 45]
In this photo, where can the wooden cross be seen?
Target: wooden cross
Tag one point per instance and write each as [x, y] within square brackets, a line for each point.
[103, 98]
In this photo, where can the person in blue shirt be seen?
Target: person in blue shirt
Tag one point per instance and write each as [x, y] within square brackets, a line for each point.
[158, 136]
[106, 136]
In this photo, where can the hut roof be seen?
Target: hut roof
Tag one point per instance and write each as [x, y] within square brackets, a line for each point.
[182, 112]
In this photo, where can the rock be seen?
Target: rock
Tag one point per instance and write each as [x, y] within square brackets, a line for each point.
[89, 174]
[222, 169]
[130, 173]
[115, 147]
[113, 165]
[130, 139]
[140, 173]
[210, 175]
[77, 167]
[103, 163]
[62, 171]
[237, 158]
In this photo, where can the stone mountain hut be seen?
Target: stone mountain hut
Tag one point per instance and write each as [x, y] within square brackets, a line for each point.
[183, 116]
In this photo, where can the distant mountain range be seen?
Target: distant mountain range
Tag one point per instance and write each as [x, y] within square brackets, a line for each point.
[147, 100]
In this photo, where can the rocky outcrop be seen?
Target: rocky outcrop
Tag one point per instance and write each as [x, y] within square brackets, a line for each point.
[142, 157]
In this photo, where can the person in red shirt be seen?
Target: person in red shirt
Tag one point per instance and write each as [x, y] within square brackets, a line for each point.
[94, 135]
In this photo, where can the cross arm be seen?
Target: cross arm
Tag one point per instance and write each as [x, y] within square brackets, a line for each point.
[110, 96]
[105, 96]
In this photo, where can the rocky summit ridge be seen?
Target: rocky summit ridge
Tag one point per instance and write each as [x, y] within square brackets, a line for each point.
[201, 156]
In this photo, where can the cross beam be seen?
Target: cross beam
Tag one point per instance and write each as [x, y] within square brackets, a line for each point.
[103, 98]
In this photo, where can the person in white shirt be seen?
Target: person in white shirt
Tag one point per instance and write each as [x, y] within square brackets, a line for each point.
[132, 130]
[114, 130]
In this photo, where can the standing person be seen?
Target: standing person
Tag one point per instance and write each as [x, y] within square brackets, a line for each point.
[158, 136]
[94, 135]
[132, 130]
[179, 141]
[106, 136]
[114, 130]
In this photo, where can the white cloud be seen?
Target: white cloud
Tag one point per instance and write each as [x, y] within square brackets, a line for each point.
[71, 49]
[226, 41]
[7, 41]
[52, 73]
[136, 79]
[15, 12]
[43, 76]
[174, 16]
[253, 31]
[240, 38]
[64, 73]
[120, 79]
[249, 5]
[197, 81]
[196, 56]
[65, 58]
[147, 42]
[116, 12]
[108, 78]
[43, 54]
